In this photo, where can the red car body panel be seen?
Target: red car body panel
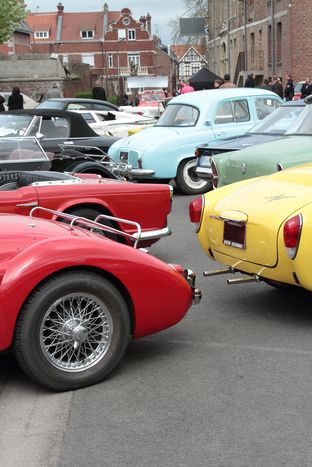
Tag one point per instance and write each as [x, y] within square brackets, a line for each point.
[147, 204]
[33, 249]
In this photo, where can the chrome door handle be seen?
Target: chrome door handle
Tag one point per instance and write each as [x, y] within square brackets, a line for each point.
[31, 204]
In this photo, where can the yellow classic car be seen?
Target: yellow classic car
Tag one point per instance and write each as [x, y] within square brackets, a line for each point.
[260, 227]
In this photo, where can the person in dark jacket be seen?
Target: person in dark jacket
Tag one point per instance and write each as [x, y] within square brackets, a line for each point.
[306, 88]
[266, 85]
[15, 100]
[2, 101]
[289, 88]
[277, 87]
[250, 81]
[98, 92]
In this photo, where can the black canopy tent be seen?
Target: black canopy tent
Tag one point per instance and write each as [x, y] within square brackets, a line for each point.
[203, 79]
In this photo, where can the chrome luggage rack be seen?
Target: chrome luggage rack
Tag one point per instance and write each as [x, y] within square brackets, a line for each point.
[95, 225]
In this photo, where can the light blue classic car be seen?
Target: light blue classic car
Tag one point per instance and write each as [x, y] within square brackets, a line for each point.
[166, 150]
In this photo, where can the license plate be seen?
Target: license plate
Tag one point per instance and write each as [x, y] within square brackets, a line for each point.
[234, 234]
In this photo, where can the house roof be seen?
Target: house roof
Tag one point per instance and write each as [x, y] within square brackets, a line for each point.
[72, 24]
[181, 50]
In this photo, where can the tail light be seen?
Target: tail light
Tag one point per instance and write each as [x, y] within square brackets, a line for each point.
[214, 173]
[292, 232]
[197, 152]
[196, 209]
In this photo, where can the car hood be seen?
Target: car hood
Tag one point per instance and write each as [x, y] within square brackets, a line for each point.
[262, 159]
[150, 136]
[264, 204]
[19, 232]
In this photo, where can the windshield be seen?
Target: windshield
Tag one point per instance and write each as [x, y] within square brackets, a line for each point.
[303, 124]
[278, 122]
[177, 115]
[51, 104]
[14, 125]
[18, 149]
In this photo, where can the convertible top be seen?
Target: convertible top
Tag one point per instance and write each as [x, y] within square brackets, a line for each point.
[78, 126]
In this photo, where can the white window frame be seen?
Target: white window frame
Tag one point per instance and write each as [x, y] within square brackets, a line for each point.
[90, 33]
[41, 34]
[110, 60]
[131, 35]
[135, 58]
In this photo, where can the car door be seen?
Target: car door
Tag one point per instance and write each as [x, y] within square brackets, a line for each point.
[18, 201]
[232, 117]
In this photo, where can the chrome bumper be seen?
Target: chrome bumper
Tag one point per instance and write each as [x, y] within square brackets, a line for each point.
[152, 234]
[141, 173]
[204, 172]
[190, 276]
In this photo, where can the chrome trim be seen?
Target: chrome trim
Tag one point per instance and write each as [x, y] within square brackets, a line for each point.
[151, 234]
[30, 204]
[280, 167]
[204, 172]
[190, 277]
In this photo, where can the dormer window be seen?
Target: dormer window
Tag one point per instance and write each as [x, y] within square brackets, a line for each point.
[87, 34]
[41, 34]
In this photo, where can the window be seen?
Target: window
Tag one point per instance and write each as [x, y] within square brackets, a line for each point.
[88, 59]
[270, 44]
[179, 115]
[54, 127]
[279, 43]
[42, 35]
[265, 106]
[131, 34]
[235, 111]
[87, 34]
[134, 59]
[110, 60]
[121, 34]
[126, 21]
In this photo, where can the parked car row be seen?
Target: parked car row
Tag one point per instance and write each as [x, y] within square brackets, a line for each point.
[76, 282]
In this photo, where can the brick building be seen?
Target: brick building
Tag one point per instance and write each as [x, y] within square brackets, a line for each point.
[112, 43]
[266, 37]
[19, 43]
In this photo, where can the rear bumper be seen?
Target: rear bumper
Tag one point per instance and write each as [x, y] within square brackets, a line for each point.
[152, 234]
[204, 173]
[190, 276]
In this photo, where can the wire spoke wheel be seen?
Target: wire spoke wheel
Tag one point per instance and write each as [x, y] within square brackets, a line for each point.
[76, 332]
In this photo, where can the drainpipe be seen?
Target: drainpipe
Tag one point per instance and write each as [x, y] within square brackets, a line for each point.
[245, 35]
[273, 37]
[228, 38]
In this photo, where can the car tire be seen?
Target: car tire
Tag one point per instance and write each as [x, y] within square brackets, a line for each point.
[90, 167]
[91, 214]
[72, 331]
[187, 181]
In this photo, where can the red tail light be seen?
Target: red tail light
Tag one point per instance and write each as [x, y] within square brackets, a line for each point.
[292, 232]
[197, 152]
[196, 208]
[214, 173]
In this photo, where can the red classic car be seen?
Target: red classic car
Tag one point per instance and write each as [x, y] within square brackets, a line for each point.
[89, 196]
[71, 299]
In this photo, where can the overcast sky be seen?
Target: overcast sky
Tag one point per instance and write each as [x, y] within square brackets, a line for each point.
[161, 11]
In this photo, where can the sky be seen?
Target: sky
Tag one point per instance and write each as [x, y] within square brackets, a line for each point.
[161, 11]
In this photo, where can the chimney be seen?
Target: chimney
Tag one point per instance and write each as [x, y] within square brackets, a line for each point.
[148, 23]
[60, 9]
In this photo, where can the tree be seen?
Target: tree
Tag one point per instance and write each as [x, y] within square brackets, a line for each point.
[12, 13]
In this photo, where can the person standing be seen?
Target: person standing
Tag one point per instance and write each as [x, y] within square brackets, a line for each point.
[227, 83]
[2, 101]
[54, 92]
[15, 100]
[277, 87]
[306, 88]
[217, 83]
[185, 87]
[98, 92]
[289, 88]
[266, 85]
[250, 81]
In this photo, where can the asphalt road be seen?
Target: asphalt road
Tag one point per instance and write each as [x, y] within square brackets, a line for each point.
[229, 386]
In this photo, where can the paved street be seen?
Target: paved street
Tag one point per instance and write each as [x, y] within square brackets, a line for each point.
[230, 386]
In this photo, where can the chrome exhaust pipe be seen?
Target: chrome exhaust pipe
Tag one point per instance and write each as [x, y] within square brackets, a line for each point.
[243, 280]
[217, 272]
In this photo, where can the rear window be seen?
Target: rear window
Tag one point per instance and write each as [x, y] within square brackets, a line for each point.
[177, 115]
[265, 106]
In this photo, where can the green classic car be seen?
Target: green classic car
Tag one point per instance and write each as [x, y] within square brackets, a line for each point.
[294, 148]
